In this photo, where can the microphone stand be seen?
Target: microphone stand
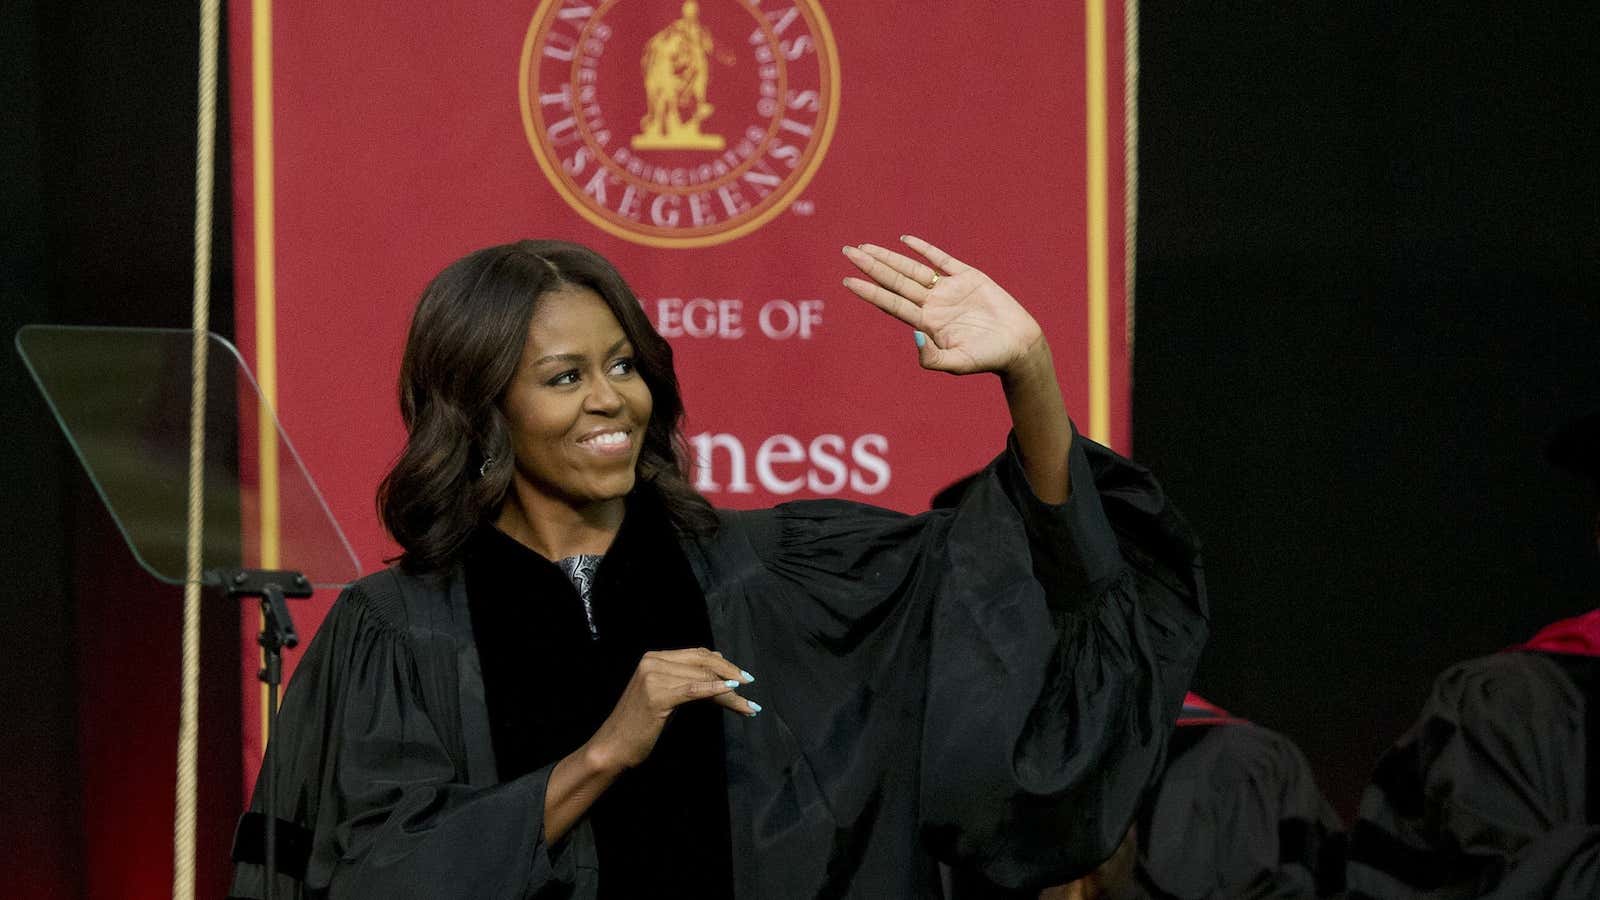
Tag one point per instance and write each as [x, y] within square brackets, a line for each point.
[270, 587]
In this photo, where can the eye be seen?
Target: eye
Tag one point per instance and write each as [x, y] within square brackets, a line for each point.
[565, 378]
[623, 366]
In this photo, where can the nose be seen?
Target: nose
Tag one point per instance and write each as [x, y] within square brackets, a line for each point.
[603, 397]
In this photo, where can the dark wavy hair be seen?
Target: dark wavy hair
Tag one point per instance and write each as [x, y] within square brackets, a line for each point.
[466, 338]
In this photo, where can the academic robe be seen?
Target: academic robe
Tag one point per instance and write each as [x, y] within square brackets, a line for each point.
[992, 685]
[1495, 791]
[1237, 814]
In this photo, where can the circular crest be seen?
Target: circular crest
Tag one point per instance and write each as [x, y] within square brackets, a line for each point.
[679, 124]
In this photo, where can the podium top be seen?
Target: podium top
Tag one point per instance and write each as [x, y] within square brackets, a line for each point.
[123, 397]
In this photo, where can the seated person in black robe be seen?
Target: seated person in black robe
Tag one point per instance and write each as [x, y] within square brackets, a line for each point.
[1492, 793]
[1236, 814]
[1495, 791]
[582, 681]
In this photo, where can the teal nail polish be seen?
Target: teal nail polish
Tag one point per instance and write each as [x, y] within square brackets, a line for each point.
[920, 338]
[730, 683]
[748, 678]
[754, 707]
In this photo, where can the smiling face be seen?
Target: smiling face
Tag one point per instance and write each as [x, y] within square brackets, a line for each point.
[577, 406]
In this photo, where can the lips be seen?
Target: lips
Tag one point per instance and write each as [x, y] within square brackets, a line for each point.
[607, 442]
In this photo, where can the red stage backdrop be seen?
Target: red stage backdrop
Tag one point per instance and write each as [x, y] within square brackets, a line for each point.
[720, 154]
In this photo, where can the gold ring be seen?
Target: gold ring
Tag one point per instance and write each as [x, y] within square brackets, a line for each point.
[935, 282]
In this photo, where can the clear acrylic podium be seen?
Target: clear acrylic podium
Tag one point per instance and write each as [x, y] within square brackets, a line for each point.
[123, 398]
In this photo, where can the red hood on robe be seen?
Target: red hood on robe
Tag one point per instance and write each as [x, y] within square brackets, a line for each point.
[1578, 636]
[1197, 710]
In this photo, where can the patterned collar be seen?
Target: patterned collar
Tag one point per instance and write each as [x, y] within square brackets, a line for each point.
[580, 571]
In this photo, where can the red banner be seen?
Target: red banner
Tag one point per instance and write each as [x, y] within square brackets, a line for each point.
[720, 153]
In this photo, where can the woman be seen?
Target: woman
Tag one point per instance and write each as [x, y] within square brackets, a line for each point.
[551, 694]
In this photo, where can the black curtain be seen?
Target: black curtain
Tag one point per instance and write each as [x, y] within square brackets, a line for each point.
[96, 219]
[1368, 290]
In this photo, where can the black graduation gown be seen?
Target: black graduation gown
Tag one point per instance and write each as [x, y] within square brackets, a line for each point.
[1492, 792]
[1237, 814]
[993, 685]
[655, 834]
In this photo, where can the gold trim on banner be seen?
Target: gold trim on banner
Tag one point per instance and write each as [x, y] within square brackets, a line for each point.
[1099, 251]
[266, 288]
[1130, 179]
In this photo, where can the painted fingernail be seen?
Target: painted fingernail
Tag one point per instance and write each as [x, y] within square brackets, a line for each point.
[920, 338]
[754, 707]
[730, 683]
[748, 678]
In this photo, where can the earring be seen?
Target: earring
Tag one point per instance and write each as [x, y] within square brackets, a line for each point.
[483, 470]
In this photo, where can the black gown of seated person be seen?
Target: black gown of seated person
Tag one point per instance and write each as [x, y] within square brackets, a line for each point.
[662, 829]
[992, 685]
[1494, 792]
[1236, 815]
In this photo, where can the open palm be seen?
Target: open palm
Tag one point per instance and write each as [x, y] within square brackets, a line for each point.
[971, 323]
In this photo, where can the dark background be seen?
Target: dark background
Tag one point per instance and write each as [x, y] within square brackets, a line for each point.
[96, 227]
[1367, 292]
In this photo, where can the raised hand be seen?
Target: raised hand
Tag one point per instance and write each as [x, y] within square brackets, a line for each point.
[966, 322]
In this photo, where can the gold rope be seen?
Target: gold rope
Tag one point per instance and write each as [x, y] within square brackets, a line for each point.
[183, 827]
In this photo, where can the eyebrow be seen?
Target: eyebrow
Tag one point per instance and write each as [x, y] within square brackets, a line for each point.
[578, 357]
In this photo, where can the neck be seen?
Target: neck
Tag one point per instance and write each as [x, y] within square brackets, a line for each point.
[555, 529]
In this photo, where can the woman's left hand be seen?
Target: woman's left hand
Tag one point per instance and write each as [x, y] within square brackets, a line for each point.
[971, 324]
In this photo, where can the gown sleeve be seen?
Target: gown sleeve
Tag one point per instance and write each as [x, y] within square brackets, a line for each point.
[1485, 795]
[1063, 640]
[371, 794]
[1050, 646]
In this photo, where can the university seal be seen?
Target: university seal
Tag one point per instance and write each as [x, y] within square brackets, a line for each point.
[679, 124]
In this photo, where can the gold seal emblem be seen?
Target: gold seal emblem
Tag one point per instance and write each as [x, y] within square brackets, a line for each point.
[679, 124]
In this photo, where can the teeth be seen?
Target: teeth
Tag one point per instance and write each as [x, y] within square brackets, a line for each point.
[609, 439]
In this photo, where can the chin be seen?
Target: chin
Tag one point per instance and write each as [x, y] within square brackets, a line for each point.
[606, 489]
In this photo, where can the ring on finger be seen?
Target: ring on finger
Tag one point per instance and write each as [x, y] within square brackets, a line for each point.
[935, 282]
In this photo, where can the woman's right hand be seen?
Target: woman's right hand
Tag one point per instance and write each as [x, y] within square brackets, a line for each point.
[663, 681]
